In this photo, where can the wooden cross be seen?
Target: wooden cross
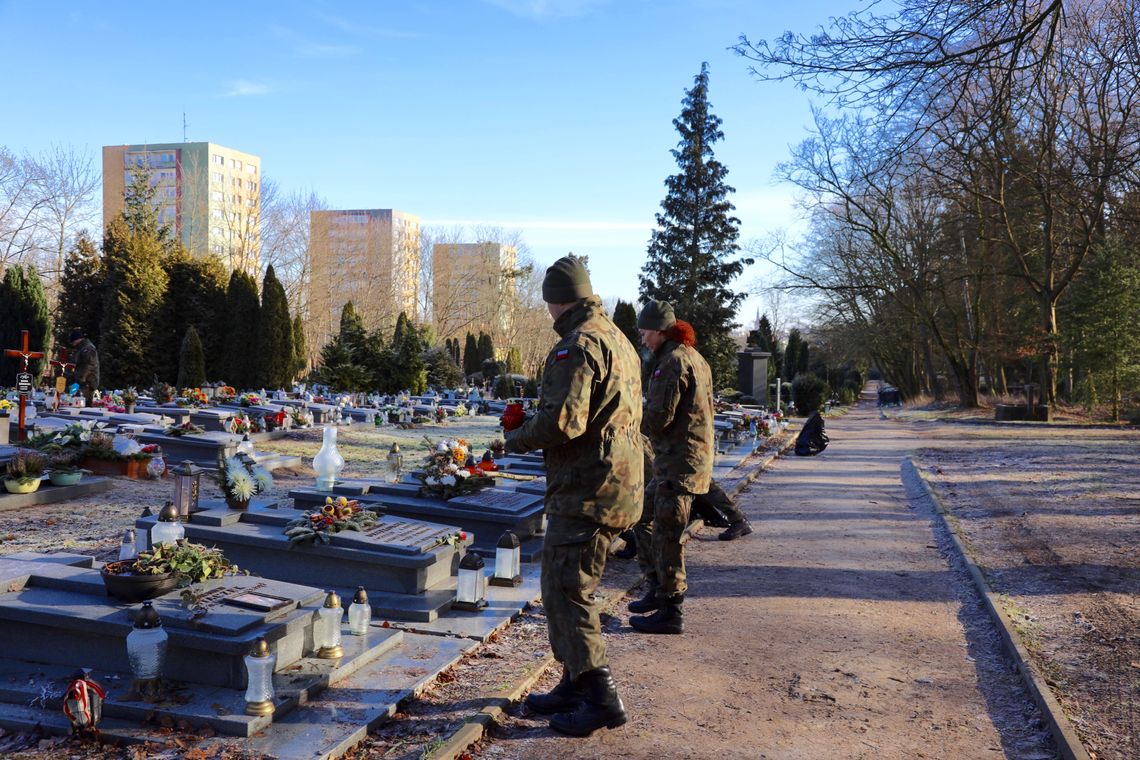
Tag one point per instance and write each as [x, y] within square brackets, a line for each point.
[61, 367]
[26, 355]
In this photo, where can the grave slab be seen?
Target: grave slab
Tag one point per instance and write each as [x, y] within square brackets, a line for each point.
[405, 565]
[49, 494]
[504, 604]
[488, 513]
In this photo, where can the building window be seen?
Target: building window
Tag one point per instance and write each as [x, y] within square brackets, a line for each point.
[217, 195]
[251, 202]
[217, 177]
[218, 232]
[215, 213]
[251, 168]
[235, 164]
[218, 159]
[219, 248]
[236, 182]
[251, 186]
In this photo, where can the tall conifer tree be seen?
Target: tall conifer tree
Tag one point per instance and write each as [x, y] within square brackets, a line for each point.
[300, 349]
[240, 328]
[625, 317]
[471, 358]
[195, 296]
[81, 293]
[135, 287]
[191, 360]
[274, 334]
[689, 260]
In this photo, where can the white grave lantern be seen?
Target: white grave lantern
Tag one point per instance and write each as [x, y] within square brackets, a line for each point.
[359, 613]
[471, 587]
[259, 665]
[168, 530]
[394, 464]
[328, 462]
[187, 483]
[326, 628]
[507, 555]
[146, 648]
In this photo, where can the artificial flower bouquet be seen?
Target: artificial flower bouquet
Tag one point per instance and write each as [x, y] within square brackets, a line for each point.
[322, 524]
[450, 470]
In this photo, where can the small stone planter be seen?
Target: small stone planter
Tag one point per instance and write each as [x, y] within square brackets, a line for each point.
[135, 469]
[28, 486]
[66, 478]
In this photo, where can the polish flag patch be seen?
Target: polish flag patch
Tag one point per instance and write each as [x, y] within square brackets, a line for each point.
[562, 353]
[657, 372]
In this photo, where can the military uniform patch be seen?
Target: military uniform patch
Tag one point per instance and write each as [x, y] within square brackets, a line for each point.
[562, 353]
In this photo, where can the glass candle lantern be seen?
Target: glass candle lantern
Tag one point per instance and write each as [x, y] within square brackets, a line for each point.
[471, 586]
[187, 482]
[359, 613]
[507, 558]
[259, 666]
[146, 647]
[128, 549]
[394, 464]
[326, 628]
[168, 529]
[328, 462]
[83, 701]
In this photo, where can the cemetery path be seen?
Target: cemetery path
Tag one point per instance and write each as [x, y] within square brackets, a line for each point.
[839, 629]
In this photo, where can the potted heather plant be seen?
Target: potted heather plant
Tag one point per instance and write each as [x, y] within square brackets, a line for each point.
[64, 468]
[24, 472]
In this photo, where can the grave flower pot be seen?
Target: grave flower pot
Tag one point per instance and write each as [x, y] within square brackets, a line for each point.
[27, 486]
[124, 585]
[129, 406]
[135, 469]
[234, 503]
[66, 478]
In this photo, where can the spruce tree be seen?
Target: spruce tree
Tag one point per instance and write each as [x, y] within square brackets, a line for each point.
[23, 306]
[337, 369]
[191, 361]
[471, 358]
[81, 293]
[792, 355]
[300, 349]
[135, 288]
[195, 293]
[408, 361]
[625, 317]
[352, 333]
[240, 325]
[514, 361]
[689, 259]
[274, 333]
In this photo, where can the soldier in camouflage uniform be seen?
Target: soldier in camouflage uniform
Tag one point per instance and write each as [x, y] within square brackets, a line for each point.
[588, 426]
[678, 419]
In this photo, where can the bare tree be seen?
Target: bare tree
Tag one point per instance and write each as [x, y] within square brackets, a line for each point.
[21, 205]
[66, 181]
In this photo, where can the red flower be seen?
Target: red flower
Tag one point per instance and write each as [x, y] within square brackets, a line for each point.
[462, 535]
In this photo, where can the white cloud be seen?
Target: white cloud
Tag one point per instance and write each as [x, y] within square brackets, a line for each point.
[309, 49]
[540, 10]
[242, 88]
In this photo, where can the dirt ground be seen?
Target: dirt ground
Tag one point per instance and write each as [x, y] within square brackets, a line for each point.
[842, 628]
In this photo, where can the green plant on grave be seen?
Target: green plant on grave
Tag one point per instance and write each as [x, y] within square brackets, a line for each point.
[189, 562]
[25, 466]
[335, 516]
[62, 461]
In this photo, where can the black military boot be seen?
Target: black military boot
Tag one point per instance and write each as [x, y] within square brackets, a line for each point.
[629, 551]
[647, 603]
[564, 697]
[669, 618]
[736, 530]
[600, 708]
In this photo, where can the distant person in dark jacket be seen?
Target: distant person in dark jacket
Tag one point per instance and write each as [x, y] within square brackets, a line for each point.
[86, 372]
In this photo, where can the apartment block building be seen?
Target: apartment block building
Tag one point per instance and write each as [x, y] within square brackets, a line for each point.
[368, 256]
[473, 289]
[210, 195]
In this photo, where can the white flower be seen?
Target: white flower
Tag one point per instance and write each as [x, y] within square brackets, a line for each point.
[233, 464]
[263, 479]
[451, 467]
[447, 480]
[431, 480]
[242, 484]
[442, 447]
[462, 474]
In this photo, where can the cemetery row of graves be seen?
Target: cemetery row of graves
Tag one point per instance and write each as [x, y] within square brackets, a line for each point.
[247, 614]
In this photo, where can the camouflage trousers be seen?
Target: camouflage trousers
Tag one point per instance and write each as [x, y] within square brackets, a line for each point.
[660, 553]
[643, 530]
[573, 559]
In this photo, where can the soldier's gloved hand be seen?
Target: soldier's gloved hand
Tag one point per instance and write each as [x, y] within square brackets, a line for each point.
[509, 442]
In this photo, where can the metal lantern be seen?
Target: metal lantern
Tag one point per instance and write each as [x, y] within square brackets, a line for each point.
[394, 468]
[168, 529]
[259, 666]
[83, 702]
[187, 482]
[326, 628]
[471, 587]
[359, 613]
[128, 549]
[146, 649]
[507, 554]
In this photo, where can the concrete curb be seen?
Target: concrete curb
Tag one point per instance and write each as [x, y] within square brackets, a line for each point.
[1068, 743]
[475, 727]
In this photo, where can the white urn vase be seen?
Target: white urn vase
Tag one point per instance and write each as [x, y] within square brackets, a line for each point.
[328, 462]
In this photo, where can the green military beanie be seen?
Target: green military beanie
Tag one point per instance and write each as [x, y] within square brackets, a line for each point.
[656, 315]
[566, 281]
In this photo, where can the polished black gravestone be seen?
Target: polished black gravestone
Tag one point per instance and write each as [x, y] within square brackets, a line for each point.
[487, 514]
[407, 566]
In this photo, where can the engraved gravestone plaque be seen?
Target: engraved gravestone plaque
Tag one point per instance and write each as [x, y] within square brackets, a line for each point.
[497, 501]
[392, 531]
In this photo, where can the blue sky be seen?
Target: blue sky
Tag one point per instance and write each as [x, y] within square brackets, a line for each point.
[553, 117]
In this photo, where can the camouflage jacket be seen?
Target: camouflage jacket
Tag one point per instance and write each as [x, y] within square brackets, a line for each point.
[86, 371]
[588, 421]
[678, 417]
